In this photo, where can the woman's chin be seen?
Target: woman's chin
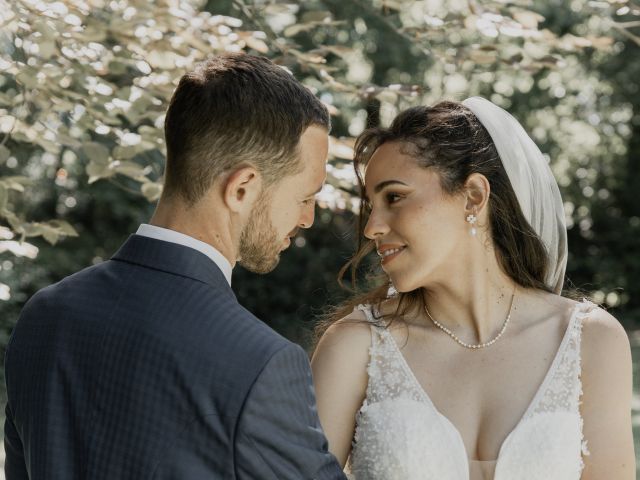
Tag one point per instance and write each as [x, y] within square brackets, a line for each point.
[400, 286]
[403, 283]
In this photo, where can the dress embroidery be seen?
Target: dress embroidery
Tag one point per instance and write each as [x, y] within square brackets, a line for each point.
[400, 435]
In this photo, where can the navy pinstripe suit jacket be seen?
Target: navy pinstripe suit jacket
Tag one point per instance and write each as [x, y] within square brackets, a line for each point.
[146, 367]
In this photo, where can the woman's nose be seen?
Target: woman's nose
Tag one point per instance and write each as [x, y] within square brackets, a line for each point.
[375, 226]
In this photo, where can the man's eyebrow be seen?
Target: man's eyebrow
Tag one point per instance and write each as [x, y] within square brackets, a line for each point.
[386, 183]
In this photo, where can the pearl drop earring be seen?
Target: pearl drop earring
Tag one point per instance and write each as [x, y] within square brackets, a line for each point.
[471, 218]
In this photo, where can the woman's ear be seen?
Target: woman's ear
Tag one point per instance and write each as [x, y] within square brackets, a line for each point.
[241, 189]
[477, 190]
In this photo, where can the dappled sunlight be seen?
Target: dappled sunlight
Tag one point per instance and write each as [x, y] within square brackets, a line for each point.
[84, 86]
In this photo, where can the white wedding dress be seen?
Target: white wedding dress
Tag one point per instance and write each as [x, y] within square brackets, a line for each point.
[400, 435]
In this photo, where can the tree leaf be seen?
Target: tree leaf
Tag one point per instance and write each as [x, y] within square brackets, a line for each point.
[164, 60]
[341, 147]
[483, 57]
[388, 96]
[5, 294]
[63, 227]
[51, 231]
[19, 249]
[308, 57]
[14, 222]
[47, 48]
[256, 44]
[151, 190]
[125, 152]
[131, 169]
[4, 197]
[319, 16]
[96, 171]
[528, 19]
[340, 50]
[51, 235]
[601, 43]
[46, 29]
[16, 183]
[5, 153]
[96, 152]
[297, 28]
[27, 77]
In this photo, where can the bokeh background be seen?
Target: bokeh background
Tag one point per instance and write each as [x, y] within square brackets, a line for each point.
[84, 85]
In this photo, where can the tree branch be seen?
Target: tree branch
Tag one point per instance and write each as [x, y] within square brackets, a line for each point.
[381, 22]
[627, 33]
[125, 188]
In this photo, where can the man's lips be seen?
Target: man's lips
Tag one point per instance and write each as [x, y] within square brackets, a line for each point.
[287, 239]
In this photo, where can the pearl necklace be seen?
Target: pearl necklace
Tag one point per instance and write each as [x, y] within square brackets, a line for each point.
[469, 345]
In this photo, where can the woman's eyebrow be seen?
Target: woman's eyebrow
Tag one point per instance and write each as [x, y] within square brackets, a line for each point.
[386, 183]
[380, 186]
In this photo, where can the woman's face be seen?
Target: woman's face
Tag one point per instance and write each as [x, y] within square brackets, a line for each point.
[420, 231]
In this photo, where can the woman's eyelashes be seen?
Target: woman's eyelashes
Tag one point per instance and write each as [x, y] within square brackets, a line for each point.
[389, 197]
[392, 197]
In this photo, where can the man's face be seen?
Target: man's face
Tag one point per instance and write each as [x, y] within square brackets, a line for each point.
[286, 206]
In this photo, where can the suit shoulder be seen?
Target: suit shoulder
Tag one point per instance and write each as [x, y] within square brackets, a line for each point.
[71, 290]
[44, 299]
[221, 321]
[251, 326]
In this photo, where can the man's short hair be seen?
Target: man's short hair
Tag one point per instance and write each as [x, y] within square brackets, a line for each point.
[232, 110]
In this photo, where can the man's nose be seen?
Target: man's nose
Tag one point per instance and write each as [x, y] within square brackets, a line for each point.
[308, 216]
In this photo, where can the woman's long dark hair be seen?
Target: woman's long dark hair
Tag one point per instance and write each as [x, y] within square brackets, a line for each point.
[450, 139]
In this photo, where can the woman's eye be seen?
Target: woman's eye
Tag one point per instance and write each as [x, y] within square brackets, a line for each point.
[393, 197]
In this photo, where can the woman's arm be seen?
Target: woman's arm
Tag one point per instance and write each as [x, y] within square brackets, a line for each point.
[606, 401]
[339, 367]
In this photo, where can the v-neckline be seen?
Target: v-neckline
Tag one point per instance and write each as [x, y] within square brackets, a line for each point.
[534, 400]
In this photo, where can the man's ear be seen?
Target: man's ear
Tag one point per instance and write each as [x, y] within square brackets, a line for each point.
[242, 188]
[477, 190]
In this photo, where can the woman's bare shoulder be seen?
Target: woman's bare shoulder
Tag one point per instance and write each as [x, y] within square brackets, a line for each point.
[604, 339]
[339, 362]
[349, 335]
[545, 308]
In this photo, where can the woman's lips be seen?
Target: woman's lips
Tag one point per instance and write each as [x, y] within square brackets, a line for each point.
[389, 254]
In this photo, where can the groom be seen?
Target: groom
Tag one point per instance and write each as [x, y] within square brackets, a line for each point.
[146, 366]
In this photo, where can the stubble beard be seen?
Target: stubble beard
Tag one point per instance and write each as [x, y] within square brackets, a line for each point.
[259, 243]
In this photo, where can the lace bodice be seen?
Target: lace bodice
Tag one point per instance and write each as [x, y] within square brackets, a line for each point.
[400, 435]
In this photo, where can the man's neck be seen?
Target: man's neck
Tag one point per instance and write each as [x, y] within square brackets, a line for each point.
[194, 221]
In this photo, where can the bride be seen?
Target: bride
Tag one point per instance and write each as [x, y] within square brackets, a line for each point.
[475, 367]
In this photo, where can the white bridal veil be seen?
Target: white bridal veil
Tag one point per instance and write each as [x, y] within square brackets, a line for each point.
[532, 181]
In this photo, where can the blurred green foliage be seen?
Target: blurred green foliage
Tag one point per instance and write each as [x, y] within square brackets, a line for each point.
[84, 85]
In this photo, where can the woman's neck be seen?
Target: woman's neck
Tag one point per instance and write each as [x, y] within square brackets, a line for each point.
[474, 302]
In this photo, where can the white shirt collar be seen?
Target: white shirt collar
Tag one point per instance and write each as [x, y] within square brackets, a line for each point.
[172, 236]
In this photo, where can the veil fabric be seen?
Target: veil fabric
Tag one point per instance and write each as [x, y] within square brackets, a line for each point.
[532, 180]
